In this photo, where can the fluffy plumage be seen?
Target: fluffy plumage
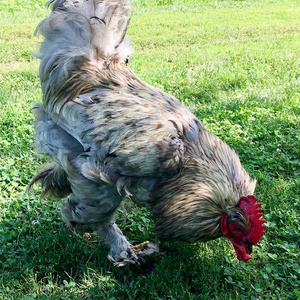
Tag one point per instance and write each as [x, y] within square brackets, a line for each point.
[110, 134]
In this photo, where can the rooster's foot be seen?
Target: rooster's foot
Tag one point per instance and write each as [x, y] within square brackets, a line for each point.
[125, 257]
[140, 246]
[87, 236]
[134, 254]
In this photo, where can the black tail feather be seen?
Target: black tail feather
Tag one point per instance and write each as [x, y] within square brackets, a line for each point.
[54, 180]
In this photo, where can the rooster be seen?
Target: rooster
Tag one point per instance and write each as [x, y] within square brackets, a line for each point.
[110, 134]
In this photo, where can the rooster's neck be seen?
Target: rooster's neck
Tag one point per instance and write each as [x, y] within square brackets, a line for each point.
[189, 206]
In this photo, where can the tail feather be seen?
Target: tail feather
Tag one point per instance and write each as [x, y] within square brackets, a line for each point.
[55, 183]
[107, 21]
[77, 32]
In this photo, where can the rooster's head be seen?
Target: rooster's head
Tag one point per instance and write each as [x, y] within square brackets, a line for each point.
[243, 226]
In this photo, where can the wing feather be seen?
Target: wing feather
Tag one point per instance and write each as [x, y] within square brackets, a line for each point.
[131, 127]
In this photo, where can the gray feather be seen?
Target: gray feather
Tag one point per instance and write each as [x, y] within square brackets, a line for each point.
[54, 180]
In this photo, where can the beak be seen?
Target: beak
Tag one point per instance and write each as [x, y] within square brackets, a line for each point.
[249, 246]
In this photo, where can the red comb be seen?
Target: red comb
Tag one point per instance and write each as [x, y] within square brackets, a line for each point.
[252, 212]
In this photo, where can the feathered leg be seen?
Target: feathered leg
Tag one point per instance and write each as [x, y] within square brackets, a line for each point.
[90, 219]
[93, 197]
[121, 251]
[91, 207]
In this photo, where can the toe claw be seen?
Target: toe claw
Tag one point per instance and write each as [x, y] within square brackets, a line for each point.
[140, 246]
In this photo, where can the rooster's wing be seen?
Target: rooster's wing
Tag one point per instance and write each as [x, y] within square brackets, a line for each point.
[131, 127]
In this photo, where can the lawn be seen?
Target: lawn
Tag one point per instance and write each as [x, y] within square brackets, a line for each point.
[236, 65]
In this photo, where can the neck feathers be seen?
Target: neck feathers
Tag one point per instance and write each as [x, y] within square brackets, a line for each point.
[189, 206]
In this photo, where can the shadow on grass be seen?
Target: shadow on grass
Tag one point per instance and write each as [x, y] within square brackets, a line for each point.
[38, 249]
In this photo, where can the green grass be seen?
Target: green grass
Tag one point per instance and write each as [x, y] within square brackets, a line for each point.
[236, 65]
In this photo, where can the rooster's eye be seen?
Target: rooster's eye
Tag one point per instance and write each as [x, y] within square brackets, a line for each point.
[237, 228]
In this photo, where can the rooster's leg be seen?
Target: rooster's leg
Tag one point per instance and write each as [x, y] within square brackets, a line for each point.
[84, 218]
[121, 251]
